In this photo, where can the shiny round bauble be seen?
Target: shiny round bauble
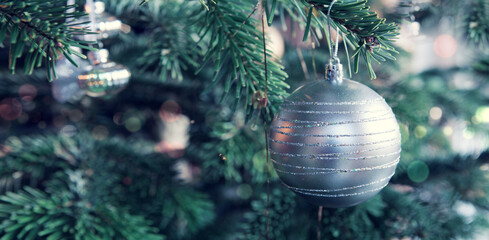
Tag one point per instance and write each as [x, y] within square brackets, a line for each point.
[103, 79]
[337, 144]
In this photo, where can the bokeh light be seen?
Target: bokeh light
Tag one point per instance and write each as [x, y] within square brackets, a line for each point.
[170, 111]
[244, 191]
[468, 133]
[276, 42]
[482, 114]
[27, 92]
[418, 171]
[420, 132]
[75, 115]
[445, 46]
[10, 109]
[100, 132]
[133, 124]
[436, 113]
[448, 131]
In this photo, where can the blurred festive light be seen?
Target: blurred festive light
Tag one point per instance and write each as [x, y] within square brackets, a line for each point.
[445, 46]
[420, 132]
[186, 172]
[485, 167]
[475, 120]
[65, 87]
[4, 150]
[468, 133]
[10, 109]
[68, 130]
[75, 115]
[448, 131]
[436, 113]
[27, 92]
[13, 143]
[41, 124]
[127, 181]
[59, 121]
[418, 171]
[117, 118]
[464, 140]
[415, 28]
[463, 81]
[466, 210]
[482, 114]
[390, 3]
[100, 132]
[275, 42]
[174, 136]
[133, 124]
[170, 111]
[244, 191]
[401, 188]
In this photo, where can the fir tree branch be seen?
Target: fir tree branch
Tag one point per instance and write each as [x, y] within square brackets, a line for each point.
[37, 29]
[33, 214]
[238, 58]
[476, 24]
[370, 36]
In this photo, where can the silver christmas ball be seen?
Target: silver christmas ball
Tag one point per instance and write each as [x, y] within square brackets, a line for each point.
[103, 77]
[336, 143]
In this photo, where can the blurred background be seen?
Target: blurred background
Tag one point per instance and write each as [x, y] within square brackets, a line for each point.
[165, 153]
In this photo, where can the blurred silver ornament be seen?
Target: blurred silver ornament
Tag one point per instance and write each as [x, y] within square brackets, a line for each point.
[103, 77]
[65, 87]
[105, 24]
[335, 142]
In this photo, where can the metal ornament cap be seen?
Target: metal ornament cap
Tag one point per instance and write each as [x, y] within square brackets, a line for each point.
[334, 71]
[336, 143]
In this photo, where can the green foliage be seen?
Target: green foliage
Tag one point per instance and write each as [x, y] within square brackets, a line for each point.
[32, 214]
[37, 30]
[370, 36]
[476, 24]
[236, 51]
[281, 215]
[82, 175]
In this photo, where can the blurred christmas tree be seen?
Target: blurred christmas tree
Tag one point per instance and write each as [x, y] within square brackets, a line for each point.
[179, 152]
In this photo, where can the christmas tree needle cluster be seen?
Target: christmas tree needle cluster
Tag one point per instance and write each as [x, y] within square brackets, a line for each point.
[38, 31]
[101, 168]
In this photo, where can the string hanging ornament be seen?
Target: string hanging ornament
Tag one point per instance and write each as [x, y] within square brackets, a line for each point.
[335, 141]
[97, 77]
[102, 77]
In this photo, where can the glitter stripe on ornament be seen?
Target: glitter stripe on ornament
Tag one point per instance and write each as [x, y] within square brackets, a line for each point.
[363, 102]
[334, 112]
[332, 136]
[333, 145]
[331, 154]
[338, 189]
[358, 158]
[331, 123]
[336, 170]
[343, 194]
[388, 113]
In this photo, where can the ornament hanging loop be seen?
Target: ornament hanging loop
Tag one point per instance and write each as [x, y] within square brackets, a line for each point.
[334, 69]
